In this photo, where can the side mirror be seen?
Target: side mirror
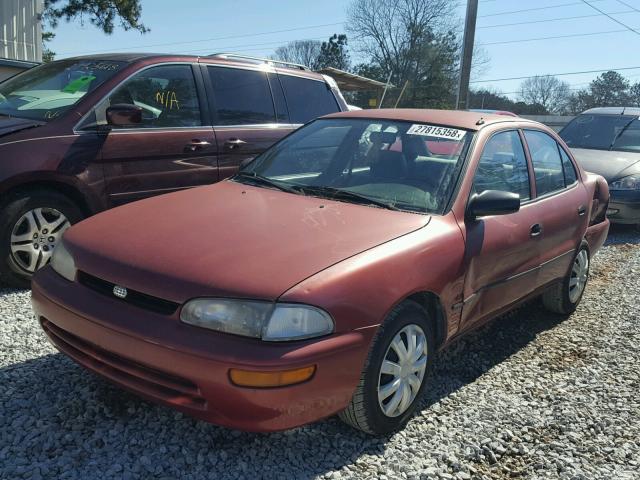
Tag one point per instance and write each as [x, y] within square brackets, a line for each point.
[124, 115]
[493, 202]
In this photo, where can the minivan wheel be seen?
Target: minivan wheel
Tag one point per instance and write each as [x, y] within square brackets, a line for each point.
[565, 296]
[394, 374]
[31, 225]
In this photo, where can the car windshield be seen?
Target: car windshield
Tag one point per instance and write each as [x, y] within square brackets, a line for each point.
[47, 91]
[381, 163]
[603, 132]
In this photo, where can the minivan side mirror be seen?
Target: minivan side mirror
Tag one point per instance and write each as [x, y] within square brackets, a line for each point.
[493, 202]
[124, 115]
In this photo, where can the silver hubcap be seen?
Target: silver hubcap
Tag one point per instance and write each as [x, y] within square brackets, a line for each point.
[402, 370]
[579, 274]
[35, 235]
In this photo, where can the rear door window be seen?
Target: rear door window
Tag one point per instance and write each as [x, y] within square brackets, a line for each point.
[547, 164]
[570, 175]
[307, 99]
[242, 97]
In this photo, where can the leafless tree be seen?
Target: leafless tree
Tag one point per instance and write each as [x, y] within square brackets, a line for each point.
[546, 90]
[304, 52]
[392, 33]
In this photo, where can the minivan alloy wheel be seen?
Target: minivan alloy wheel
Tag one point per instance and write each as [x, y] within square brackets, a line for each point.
[35, 235]
[402, 370]
[579, 273]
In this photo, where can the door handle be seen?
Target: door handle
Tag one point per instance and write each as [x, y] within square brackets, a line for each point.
[582, 210]
[535, 230]
[234, 143]
[196, 144]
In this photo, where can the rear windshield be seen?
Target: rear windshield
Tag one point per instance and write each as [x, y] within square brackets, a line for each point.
[603, 132]
[47, 91]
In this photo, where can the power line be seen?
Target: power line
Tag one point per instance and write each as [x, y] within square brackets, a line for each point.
[551, 37]
[556, 74]
[308, 27]
[553, 19]
[534, 9]
[629, 6]
[610, 17]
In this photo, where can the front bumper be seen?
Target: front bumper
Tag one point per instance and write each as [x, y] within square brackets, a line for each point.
[186, 367]
[624, 207]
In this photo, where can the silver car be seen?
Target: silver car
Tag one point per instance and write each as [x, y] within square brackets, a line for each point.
[606, 141]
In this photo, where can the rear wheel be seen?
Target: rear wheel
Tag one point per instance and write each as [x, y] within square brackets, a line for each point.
[565, 296]
[394, 374]
[31, 225]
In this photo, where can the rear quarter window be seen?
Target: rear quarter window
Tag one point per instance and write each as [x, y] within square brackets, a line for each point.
[307, 99]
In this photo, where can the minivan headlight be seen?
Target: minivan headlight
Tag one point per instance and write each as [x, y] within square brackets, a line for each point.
[257, 319]
[63, 263]
[632, 182]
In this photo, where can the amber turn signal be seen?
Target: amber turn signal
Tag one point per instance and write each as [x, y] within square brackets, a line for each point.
[248, 378]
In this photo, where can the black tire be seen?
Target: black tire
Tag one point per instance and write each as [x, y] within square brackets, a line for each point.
[11, 273]
[557, 298]
[364, 411]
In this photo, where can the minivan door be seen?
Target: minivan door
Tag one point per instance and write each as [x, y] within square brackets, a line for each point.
[248, 117]
[173, 148]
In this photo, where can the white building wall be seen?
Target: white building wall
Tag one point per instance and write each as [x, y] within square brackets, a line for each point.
[20, 30]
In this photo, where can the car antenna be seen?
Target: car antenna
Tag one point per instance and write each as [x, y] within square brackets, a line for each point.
[480, 122]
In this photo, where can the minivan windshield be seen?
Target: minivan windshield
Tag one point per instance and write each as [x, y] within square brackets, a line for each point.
[380, 163]
[47, 91]
[603, 132]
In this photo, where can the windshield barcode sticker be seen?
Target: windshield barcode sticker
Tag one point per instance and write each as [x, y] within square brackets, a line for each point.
[437, 132]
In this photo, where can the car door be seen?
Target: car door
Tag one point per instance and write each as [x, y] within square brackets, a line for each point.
[561, 203]
[502, 250]
[173, 148]
[248, 118]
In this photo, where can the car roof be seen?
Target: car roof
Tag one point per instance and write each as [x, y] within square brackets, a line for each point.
[219, 59]
[635, 111]
[453, 118]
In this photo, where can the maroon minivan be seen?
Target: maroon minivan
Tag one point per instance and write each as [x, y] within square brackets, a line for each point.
[81, 135]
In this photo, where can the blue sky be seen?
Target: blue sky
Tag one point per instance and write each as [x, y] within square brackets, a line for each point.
[201, 27]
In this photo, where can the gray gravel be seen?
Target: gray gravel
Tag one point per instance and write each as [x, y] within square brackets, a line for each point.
[530, 396]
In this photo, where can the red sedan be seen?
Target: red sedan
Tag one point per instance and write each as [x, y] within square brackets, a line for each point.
[324, 277]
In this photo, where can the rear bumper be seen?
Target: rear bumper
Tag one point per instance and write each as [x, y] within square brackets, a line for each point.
[187, 367]
[624, 207]
[596, 235]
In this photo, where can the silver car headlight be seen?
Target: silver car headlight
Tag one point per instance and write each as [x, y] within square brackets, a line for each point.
[63, 263]
[265, 320]
[632, 182]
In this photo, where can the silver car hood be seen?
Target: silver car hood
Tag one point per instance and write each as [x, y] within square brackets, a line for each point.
[610, 164]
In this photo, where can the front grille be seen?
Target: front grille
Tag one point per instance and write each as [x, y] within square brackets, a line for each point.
[129, 373]
[139, 299]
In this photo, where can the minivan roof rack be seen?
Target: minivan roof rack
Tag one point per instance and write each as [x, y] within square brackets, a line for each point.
[258, 60]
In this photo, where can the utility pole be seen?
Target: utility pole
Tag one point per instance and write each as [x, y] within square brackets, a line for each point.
[462, 99]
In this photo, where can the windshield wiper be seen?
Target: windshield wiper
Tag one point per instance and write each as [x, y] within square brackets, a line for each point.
[264, 181]
[615, 138]
[347, 195]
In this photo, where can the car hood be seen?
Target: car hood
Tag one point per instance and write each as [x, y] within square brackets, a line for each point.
[228, 240]
[608, 163]
[12, 124]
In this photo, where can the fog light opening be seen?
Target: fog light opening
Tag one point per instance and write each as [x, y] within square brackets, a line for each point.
[280, 378]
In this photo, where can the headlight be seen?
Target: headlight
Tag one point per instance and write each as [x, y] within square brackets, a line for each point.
[63, 263]
[632, 182]
[264, 320]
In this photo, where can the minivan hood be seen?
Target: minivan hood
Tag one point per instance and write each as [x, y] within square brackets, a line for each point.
[228, 239]
[12, 124]
[608, 163]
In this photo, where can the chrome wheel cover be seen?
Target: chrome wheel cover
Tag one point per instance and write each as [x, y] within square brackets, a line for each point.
[34, 237]
[402, 370]
[579, 274]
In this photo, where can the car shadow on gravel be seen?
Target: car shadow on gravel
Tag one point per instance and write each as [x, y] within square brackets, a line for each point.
[62, 411]
[621, 234]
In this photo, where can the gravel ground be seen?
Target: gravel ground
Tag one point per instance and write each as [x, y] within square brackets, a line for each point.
[530, 396]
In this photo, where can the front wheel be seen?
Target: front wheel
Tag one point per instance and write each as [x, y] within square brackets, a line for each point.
[394, 374]
[31, 225]
[565, 296]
